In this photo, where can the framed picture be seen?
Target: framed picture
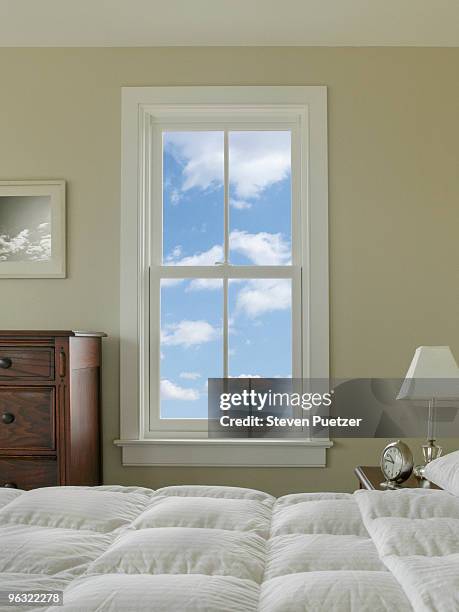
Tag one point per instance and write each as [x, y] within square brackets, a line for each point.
[32, 229]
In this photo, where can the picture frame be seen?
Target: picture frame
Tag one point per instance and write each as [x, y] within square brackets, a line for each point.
[32, 229]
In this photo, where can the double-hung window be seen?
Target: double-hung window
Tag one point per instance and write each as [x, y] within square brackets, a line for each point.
[224, 249]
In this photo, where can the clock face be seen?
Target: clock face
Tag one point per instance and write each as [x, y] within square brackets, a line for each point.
[392, 463]
[396, 462]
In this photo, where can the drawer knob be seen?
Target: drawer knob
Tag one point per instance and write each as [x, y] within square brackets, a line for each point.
[5, 363]
[7, 418]
[10, 485]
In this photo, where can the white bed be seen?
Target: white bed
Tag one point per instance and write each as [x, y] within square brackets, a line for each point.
[226, 549]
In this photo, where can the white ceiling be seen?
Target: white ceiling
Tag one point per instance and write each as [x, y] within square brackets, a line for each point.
[108, 23]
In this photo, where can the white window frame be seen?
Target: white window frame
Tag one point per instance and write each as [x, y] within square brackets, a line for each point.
[145, 112]
[201, 118]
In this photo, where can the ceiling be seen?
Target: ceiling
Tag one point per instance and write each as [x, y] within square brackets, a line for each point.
[134, 23]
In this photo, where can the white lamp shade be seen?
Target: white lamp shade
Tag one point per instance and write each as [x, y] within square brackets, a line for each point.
[433, 374]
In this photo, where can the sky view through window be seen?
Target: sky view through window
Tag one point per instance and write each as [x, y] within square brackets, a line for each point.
[259, 310]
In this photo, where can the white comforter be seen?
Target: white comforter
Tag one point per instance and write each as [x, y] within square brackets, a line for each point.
[224, 549]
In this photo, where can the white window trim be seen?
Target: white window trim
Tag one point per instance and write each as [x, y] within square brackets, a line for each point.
[140, 107]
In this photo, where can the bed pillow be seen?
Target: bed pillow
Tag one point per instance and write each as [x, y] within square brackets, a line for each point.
[444, 472]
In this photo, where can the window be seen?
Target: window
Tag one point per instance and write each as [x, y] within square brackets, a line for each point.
[223, 277]
[224, 248]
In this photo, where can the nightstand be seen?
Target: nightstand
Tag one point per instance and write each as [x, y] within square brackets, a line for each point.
[370, 477]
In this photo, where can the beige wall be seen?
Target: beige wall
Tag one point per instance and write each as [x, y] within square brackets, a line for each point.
[394, 207]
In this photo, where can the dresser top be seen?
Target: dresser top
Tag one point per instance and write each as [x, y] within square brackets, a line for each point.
[19, 333]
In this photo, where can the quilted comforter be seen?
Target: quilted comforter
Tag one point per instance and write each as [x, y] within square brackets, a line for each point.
[224, 549]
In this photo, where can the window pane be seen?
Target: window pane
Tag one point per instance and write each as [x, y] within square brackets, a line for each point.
[260, 198]
[193, 196]
[191, 344]
[260, 331]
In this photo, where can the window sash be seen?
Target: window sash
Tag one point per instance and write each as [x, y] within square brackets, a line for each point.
[155, 179]
[269, 272]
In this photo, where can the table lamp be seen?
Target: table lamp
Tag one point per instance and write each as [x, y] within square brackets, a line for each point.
[433, 375]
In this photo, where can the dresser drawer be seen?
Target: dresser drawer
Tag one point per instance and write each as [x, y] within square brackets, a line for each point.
[27, 418]
[18, 363]
[26, 473]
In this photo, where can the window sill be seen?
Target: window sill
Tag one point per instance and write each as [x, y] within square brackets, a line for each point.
[230, 452]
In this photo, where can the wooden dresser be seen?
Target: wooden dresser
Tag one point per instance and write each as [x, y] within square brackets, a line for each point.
[49, 408]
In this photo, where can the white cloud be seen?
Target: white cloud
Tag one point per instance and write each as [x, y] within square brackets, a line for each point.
[246, 376]
[171, 282]
[240, 204]
[262, 248]
[176, 196]
[28, 245]
[201, 154]
[39, 250]
[190, 375]
[175, 254]
[260, 296]
[198, 284]
[15, 244]
[206, 258]
[188, 333]
[170, 390]
[258, 160]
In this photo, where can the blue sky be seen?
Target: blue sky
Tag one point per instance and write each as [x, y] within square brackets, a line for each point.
[259, 234]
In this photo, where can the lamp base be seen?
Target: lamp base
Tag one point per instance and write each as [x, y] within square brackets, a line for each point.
[430, 452]
[418, 471]
[389, 484]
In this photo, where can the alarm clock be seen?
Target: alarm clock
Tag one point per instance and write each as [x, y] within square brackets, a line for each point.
[396, 464]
